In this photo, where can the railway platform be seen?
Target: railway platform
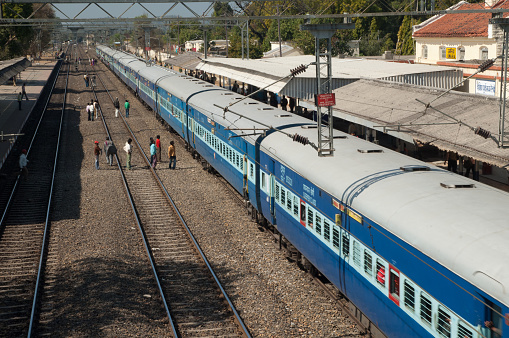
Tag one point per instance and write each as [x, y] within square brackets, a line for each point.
[12, 119]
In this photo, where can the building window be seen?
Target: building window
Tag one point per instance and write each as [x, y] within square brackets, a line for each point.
[443, 53]
[425, 52]
[484, 53]
[461, 53]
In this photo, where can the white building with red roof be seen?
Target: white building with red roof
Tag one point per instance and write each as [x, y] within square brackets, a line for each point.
[463, 40]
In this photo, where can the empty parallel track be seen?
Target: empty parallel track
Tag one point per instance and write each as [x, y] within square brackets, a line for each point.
[24, 223]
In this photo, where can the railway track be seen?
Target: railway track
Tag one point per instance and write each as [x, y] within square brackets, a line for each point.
[24, 226]
[195, 301]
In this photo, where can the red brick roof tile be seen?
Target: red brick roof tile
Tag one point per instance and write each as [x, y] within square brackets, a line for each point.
[461, 25]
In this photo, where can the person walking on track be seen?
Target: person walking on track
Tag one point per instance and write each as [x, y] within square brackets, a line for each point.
[127, 106]
[158, 147]
[153, 153]
[128, 148]
[117, 107]
[97, 152]
[172, 156]
[91, 110]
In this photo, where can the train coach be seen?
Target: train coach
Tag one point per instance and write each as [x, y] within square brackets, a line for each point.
[421, 251]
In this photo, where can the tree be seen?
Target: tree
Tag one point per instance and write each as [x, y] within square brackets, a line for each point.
[405, 45]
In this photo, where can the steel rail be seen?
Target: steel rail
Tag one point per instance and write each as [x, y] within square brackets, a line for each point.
[184, 224]
[47, 221]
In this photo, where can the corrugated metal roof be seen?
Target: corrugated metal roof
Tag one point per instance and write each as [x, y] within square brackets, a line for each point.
[188, 60]
[9, 68]
[385, 103]
[263, 72]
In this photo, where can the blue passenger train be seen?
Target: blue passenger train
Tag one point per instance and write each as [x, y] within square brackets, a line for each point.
[421, 251]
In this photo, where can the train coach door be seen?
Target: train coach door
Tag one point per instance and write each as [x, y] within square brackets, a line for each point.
[394, 284]
[272, 188]
[245, 182]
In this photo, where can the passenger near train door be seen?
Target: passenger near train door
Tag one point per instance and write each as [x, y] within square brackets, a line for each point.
[303, 213]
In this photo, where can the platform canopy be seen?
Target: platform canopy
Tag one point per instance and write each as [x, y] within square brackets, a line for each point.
[395, 109]
[10, 68]
[264, 72]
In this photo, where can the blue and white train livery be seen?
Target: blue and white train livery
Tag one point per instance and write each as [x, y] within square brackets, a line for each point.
[421, 251]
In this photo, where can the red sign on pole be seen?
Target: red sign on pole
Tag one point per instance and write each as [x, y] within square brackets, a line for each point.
[326, 100]
[147, 48]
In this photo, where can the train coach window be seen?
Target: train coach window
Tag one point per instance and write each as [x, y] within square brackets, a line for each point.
[356, 253]
[368, 263]
[335, 240]
[409, 296]
[310, 218]
[264, 184]
[463, 332]
[288, 201]
[277, 192]
[318, 227]
[326, 230]
[425, 309]
[296, 206]
[380, 273]
[283, 198]
[444, 323]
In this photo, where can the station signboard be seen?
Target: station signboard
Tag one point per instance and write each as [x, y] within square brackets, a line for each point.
[485, 87]
[450, 53]
[326, 100]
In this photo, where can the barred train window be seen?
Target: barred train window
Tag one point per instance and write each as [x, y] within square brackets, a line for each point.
[283, 198]
[409, 296]
[310, 218]
[289, 201]
[277, 192]
[444, 323]
[356, 253]
[296, 206]
[318, 225]
[463, 332]
[335, 236]
[425, 309]
[380, 272]
[346, 242]
[326, 230]
[251, 172]
[368, 263]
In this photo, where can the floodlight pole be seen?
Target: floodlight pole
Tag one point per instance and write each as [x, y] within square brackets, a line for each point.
[324, 82]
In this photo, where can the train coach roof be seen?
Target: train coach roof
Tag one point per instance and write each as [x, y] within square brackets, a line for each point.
[464, 229]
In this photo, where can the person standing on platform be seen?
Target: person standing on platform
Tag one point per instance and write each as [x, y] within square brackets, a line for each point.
[127, 106]
[284, 103]
[292, 104]
[117, 107]
[128, 148]
[171, 155]
[19, 100]
[452, 161]
[153, 153]
[86, 80]
[23, 164]
[158, 147]
[97, 152]
[23, 91]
